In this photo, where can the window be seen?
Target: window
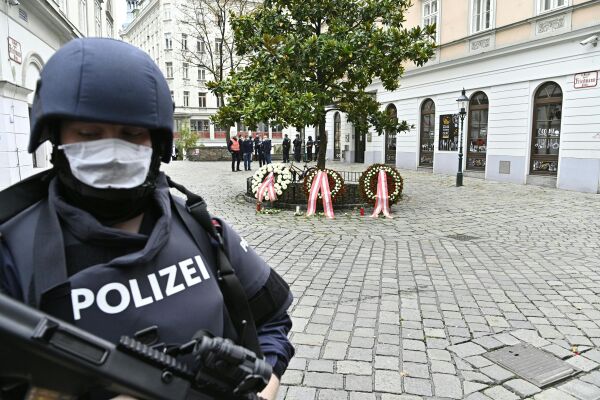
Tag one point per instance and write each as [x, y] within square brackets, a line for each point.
[200, 47]
[167, 12]
[202, 100]
[547, 5]
[186, 98]
[218, 45]
[169, 70]
[390, 137]
[430, 12]
[185, 71]
[184, 41]
[199, 125]
[427, 133]
[219, 102]
[172, 95]
[547, 116]
[201, 74]
[482, 15]
[98, 17]
[168, 41]
[83, 16]
[478, 130]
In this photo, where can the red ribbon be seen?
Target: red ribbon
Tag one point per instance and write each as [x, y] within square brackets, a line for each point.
[320, 184]
[382, 203]
[268, 185]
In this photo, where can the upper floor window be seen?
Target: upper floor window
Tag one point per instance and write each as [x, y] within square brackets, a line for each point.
[186, 99]
[109, 28]
[184, 41]
[547, 5]
[83, 16]
[168, 41]
[167, 12]
[201, 74]
[98, 17]
[430, 12]
[186, 71]
[482, 15]
[200, 46]
[202, 100]
[169, 69]
[218, 46]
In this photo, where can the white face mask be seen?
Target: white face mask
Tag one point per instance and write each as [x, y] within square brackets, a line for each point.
[108, 163]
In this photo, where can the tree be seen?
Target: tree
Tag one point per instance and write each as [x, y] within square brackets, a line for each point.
[187, 139]
[209, 44]
[305, 57]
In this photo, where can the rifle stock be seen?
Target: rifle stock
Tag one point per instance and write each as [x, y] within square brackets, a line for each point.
[55, 355]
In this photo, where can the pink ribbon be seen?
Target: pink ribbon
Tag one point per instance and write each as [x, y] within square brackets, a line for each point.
[268, 185]
[320, 184]
[382, 203]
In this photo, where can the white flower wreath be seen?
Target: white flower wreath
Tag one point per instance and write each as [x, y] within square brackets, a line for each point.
[282, 175]
[371, 176]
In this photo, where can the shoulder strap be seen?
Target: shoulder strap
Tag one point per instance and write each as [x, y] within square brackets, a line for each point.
[24, 194]
[231, 287]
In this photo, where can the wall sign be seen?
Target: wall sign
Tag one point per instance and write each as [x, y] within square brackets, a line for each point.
[14, 50]
[448, 140]
[586, 80]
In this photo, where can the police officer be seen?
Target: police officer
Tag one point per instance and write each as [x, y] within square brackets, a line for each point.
[297, 148]
[286, 148]
[309, 149]
[106, 247]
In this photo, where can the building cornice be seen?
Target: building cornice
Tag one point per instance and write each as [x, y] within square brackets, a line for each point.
[138, 18]
[14, 91]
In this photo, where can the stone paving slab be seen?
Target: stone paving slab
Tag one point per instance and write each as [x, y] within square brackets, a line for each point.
[401, 309]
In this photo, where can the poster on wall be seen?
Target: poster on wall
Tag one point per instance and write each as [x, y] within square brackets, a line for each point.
[448, 139]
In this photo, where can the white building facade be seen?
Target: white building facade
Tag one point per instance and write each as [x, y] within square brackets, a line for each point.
[30, 32]
[530, 69]
[158, 28]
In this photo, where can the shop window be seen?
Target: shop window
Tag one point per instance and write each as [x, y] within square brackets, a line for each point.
[547, 116]
[427, 133]
[477, 131]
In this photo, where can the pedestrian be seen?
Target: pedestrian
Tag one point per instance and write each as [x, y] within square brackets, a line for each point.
[286, 148]
[101, 242]
[261, 154]
[247, 146]
[266, 148]
[297, 148]
[234, 148]
[256, 147]
[309, 148]
[316, 147]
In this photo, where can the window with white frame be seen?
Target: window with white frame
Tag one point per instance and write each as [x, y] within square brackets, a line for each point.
[185, 71]
[482, 15]
[184, 41]
[169, 70]
[200, 46]
[98, 17]
[167, 11]
[219, 102]
[109, 27]
[202, 100]
[186, 98]
[430, 12]
[201, 74]
[218, 45]
[83, 16]
[168, 41]
[547, 5]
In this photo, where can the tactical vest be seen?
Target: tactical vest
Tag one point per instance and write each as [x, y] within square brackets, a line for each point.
[170, 283]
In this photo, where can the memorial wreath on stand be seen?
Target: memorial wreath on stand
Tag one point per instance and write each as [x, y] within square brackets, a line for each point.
[325, 185]
[270, 181]
[381, 185]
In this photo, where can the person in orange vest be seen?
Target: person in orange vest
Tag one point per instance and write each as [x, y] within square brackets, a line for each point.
[234, 148]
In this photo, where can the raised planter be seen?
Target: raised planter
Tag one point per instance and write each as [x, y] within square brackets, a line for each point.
[294, 196]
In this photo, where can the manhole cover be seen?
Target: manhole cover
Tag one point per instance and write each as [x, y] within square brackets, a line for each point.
[530, 363]
[462, 237]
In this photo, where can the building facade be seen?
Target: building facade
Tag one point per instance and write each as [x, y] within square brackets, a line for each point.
[30, 32]
[530, 69]
[182, 39]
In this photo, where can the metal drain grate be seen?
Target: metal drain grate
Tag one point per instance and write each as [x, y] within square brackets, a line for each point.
[532, 364]
[462, 237]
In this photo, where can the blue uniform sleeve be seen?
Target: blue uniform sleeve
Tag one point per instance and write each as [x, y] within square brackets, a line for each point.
[274, 342]
[9, 276]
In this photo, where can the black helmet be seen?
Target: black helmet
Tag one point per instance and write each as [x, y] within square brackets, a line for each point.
[103, 80]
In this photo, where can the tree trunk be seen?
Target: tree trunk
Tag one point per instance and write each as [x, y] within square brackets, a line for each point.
[322, 143]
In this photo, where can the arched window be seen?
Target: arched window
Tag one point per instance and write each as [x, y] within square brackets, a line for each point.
[427, 133]
[478, 130]
[337, 136]
[390, 137]
[545, 143]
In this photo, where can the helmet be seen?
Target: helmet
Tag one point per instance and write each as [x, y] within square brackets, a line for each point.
[103, 80]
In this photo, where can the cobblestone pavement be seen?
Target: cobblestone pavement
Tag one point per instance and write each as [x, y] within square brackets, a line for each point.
[401, 309]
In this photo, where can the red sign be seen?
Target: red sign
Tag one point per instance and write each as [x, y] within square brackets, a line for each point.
[14, 50]
[586, 80]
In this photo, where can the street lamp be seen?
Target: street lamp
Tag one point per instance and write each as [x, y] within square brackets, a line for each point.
[462, 104]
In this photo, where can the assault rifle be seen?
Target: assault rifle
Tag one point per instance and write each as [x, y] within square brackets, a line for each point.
[51, 354]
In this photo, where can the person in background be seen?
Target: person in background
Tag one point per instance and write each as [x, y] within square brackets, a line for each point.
[266, 148]
[234, 148]
[247, 146]
[256, 147]
[316, 148]
[297, 148]
[286, 148]
[309, 149]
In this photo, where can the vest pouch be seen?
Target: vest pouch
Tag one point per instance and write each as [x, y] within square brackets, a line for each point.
[57, 302]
